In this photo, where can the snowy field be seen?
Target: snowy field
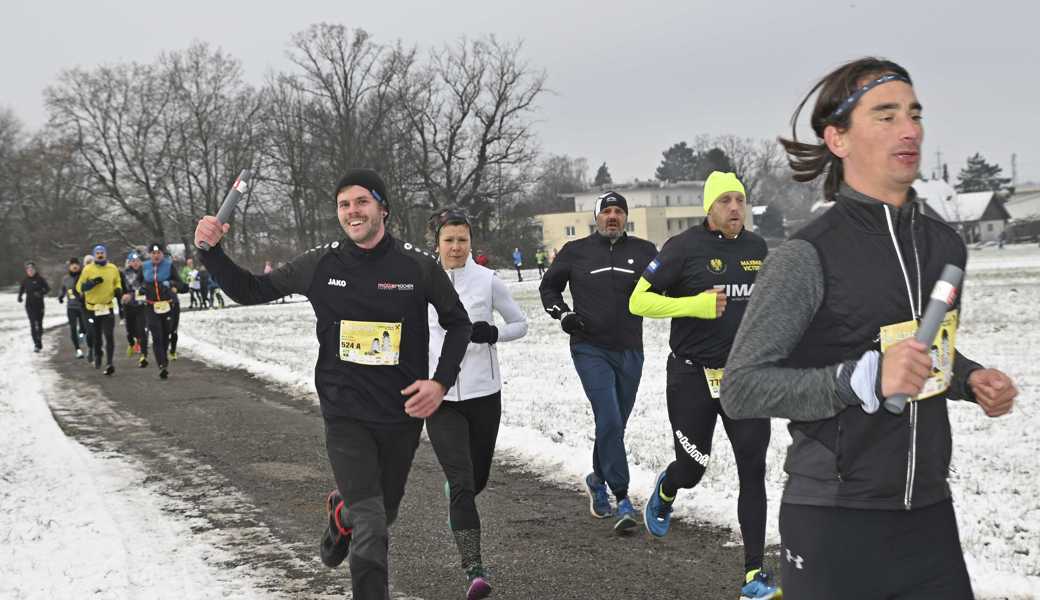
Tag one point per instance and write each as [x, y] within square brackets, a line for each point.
[77, 523]
[125, 543]
[547, 424]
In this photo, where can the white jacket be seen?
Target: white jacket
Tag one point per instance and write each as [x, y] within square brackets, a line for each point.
[482, 293]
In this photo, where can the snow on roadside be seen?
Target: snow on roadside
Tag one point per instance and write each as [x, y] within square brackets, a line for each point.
[77, 524]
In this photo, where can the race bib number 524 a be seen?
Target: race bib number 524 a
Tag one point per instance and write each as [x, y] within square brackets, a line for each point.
[370, 342]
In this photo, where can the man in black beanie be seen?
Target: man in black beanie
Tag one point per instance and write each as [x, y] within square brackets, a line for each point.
[373, 400]
[606, 342]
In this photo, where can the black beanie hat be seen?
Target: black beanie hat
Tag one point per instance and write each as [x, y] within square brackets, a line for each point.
[611, 198]
[368, 179]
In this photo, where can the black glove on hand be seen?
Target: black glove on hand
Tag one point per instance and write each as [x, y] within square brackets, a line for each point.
[98, 280]
[572, 323]
[484, 333]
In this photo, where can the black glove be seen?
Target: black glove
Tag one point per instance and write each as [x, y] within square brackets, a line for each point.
[61, 299]
[572, 323]
[19, 299]
[484, 333]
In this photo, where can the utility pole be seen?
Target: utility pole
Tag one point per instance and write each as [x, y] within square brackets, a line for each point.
[1014, 170]
[938, 165]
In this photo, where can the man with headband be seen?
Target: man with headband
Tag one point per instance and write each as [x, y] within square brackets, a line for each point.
[606, 342]
[374, 397]
[703, 279]
[100, 284]
[867, 510]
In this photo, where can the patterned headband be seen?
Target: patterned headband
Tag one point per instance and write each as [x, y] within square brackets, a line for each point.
[854, 98]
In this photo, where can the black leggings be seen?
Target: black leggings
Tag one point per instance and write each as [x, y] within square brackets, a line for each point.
[175, 322]
[463, 435]
[134, 318]
[371, 464]
[77, 324]
[693, 413]
[35, 314]
[103, 328]
[856, 554]
[159, 326]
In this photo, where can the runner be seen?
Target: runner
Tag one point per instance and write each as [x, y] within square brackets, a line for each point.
[464, 429]
[867, 510]
[606, 341]
[539, 257]
[189, 275]
[88, 259]
[373, 404]
[34, 289]
[134, 309]
[518, 261]
[74, 306]
[160, 284]
[100, 284]
[703, 279]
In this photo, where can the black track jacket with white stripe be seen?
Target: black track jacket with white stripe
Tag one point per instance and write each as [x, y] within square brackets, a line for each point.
[602, 276]
[371, 309]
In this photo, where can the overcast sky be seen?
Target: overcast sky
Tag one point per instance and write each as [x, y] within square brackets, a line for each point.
[628, 81]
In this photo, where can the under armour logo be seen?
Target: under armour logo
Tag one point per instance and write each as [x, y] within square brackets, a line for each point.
[797, 560]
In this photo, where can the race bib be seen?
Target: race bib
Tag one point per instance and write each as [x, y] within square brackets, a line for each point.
[139, 296]
[161, 308]
[101, 310]
[71, 293]
[714, 379]
[370, 342]
[941, 351]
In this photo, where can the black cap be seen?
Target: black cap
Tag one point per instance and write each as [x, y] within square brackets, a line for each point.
[611, 198]
[368, 179]
[156, 246]
[74, 260]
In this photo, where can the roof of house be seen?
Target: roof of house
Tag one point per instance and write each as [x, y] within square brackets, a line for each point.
[951, 206]
[1024, 206]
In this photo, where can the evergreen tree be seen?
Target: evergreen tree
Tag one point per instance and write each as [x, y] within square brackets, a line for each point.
[679, 164]
[602, 176]
[980, 176]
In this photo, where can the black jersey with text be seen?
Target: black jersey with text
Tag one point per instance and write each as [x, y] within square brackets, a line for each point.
[698, 260]
[384, 290]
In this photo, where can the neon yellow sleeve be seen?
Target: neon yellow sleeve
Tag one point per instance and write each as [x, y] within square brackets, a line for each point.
[645, 303]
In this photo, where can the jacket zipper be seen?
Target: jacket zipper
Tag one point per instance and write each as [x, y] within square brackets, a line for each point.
[458, 378]
[911, 458]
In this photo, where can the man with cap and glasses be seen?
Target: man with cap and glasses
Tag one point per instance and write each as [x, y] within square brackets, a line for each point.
[702, 280]
[373, 402]
[134, 306]
[606, 341]
[100, 284]
[74, 305]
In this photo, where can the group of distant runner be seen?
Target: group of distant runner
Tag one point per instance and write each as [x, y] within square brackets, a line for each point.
[144, 295]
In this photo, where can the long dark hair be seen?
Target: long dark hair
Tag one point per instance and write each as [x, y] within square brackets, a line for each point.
[809, 161]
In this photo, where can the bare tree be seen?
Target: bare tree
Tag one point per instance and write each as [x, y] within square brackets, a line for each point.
[116, 117]
[470, 120]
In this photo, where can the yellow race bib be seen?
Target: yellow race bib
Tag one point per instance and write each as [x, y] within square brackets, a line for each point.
[714, 378]
[161, 308]
[942, 351]
[370, 342]
[101, 310]
[139, 296]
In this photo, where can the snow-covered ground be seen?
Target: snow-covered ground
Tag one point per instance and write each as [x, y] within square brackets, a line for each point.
[547, 424]
[81, 523]
[121, 540]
